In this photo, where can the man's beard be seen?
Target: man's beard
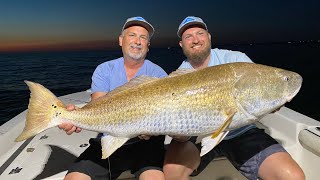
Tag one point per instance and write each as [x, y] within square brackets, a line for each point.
[136, 56]
[197, 58]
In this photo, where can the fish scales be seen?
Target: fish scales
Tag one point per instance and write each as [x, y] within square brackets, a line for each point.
[129, 109]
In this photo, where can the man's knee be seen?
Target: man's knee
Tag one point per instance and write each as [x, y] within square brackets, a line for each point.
[180, 160]
[76, 176]
[152, 174]
[292, 174]
[186, 154]
[298, 175]
[281, 166]
[176, 171]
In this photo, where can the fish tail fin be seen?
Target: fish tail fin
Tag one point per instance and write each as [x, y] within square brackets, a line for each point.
[41, 110]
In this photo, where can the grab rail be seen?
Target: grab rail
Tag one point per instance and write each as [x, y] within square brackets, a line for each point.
[310, 139]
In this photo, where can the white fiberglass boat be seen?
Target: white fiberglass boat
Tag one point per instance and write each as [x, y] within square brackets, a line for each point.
[47, 155]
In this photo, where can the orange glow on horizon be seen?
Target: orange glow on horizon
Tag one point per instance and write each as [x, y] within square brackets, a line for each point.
[59, 46]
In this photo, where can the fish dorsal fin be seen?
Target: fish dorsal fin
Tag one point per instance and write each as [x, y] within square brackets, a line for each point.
[132, 83]
[110, 144]
[180, 72]
[141, 79]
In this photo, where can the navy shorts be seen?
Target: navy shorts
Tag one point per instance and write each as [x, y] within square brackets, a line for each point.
[246, 152]
[137, 157]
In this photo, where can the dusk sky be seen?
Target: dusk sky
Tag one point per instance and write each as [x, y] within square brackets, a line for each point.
[96, 24]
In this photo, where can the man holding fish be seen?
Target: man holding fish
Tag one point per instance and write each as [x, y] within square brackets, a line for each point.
[143, 157]
[253, 152]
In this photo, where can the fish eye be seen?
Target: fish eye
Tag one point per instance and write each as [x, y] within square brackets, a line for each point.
[286, 78]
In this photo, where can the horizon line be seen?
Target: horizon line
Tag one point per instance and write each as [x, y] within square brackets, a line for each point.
[108, 45]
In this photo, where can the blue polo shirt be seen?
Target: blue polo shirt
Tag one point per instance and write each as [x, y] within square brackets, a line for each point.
[111, 74]
[221, 56]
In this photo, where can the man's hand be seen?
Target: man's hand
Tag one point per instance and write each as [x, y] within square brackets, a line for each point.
[69, 128]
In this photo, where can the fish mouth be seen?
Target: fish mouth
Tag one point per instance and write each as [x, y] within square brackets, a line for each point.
[292, 95]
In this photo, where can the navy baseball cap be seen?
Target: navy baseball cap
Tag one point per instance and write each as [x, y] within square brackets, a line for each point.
[140, 22]
[188, 21]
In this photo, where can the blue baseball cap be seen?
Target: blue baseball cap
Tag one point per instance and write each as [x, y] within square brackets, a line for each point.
[188, 21]
[139, 21]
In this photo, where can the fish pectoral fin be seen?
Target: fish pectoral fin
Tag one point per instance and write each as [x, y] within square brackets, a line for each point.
[230, 113]
[249, 116]
[110, 144]
[242, 94]
[208, 143]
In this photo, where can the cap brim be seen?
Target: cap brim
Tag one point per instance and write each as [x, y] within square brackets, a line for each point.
[186, 26]
[147, 26]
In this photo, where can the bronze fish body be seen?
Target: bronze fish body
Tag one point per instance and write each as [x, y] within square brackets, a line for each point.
[186, 103]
